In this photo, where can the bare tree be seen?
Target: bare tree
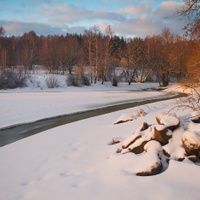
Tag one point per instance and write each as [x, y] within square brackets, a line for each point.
[69, 53]
[45, 56]
[129, 59]
[93, 42]
[89, 46]
[2, 51]
[190, 11]
[143, 60]
[97, 51]
[2, 31]
[107, 50]
[30, 51]
[167, 55]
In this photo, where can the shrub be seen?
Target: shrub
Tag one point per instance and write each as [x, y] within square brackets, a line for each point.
[115, 81]
[77, 80]
[52, 82]
[85, 80]
[74, 80]
[192, 101]
[10, 79]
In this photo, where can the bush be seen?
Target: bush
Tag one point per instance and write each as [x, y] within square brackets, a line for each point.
[74, 80]
[77, 81]
[10, 79]
[115, 81]
[52, 82]
[85, 80]
[192, 101]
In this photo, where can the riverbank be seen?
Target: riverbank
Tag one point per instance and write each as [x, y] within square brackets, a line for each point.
[75, 161]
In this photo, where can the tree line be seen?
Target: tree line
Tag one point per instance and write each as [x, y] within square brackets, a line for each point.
[103, 56]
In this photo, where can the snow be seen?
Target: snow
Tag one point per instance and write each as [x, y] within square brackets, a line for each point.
[124, 118]
[162, 127]
[152, 145]
[25, 105]
[129, 139]
[195, 114]
[191, 139]
[193, 127]
[168, 120]
[146, 135]
[174, 148]
[130, 116]
[75, 161]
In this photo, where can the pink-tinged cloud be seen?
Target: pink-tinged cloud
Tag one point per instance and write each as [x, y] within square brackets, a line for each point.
[167, 9]
[136, 10]
[140, 27]
[73, 13]
[130, 21]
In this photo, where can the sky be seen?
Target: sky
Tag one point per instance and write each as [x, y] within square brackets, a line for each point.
[127, 18]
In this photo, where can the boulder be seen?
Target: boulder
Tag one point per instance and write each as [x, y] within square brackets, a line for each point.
[115, 141]
[194, 127]
[158, 144]
[170, 121]
[155, 169]
[196, 117]
[193, 158]
[144, 127]
[130, 140]
[162, 134]
[154, 151]
[191, 143]
[138, 146]
[174, 149]
[124, 118]
[138, 149]
[196, 120]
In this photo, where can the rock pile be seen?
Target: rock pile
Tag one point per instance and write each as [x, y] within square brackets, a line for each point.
[162, 142]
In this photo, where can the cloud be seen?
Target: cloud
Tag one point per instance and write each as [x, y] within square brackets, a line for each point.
[109, 16]
[140, 20]
[122, 2]
[140, 27]
[62, 13]
[167, 9]
[144, 20]
[136, 10]
[19, 28]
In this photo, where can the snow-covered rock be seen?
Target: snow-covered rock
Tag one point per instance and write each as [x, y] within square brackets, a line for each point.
[144, 126]
[138, 146]
[153, 146]
[162, 134]
[196, 116]
[131, 139]
[116, 141]
[194, 127]
[191, 143]
[170, 121]
[125, 118]
[158, 144]
[174, 149]
[153, 150]
[130, 116]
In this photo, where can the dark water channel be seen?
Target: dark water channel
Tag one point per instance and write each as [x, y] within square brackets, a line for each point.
[12, 134]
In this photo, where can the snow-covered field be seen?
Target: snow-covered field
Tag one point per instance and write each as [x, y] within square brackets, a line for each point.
[75, 161]
[30, 104]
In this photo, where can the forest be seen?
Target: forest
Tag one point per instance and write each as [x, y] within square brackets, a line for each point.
[103, 56]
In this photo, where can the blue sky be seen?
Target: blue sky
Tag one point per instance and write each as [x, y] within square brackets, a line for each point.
[127, 18]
